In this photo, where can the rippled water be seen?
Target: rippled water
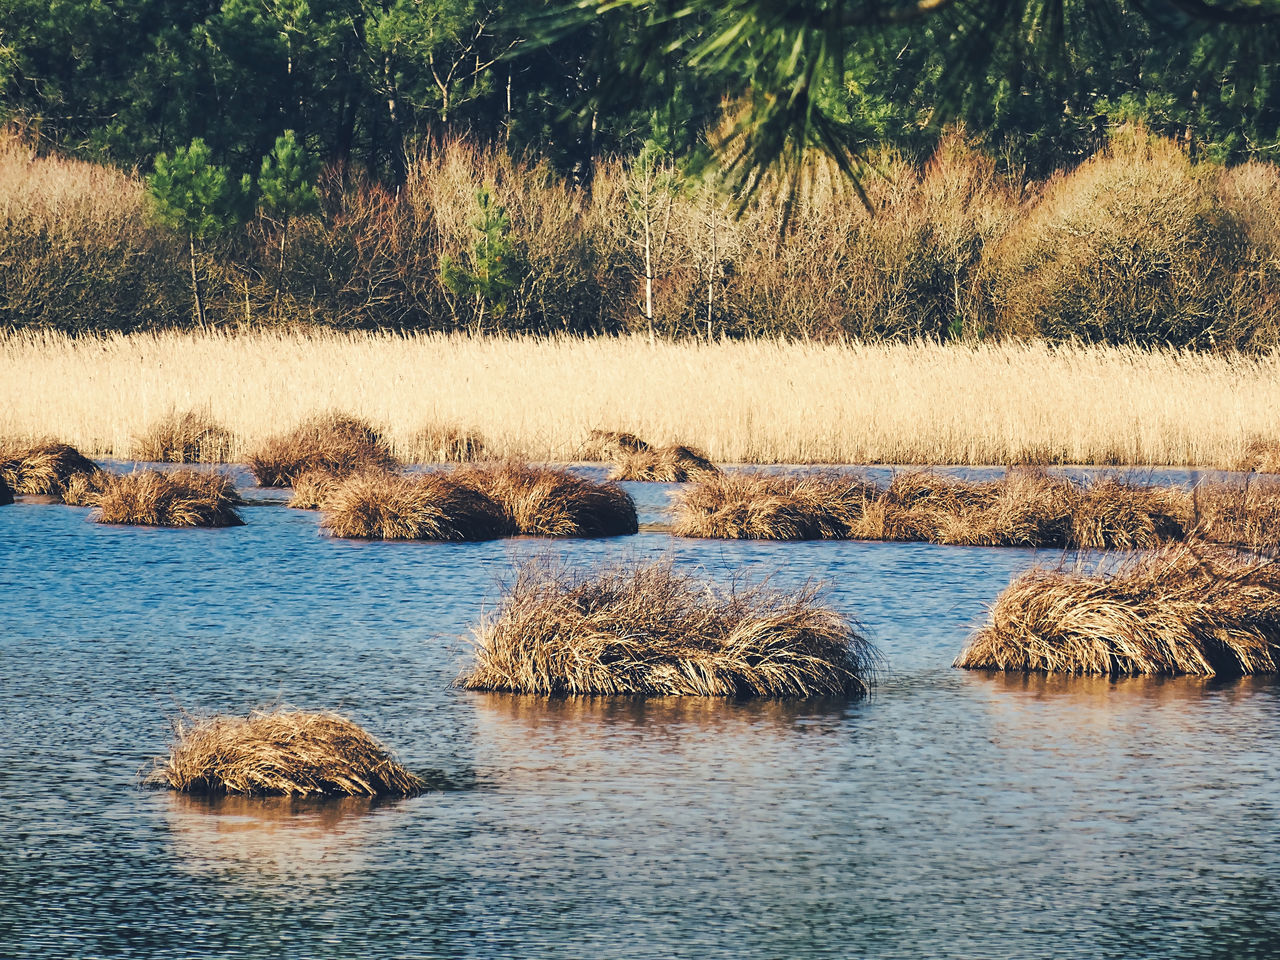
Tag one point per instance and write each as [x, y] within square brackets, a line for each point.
[951, 815]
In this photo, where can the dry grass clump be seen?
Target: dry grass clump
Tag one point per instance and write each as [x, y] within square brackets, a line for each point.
[546, 502]
[445, 443]
[43, 468]
[1240, 514]
[610, 444]
[761, 506]
[290, 753]
[1262, 455]
[184, 498]
[645, 629]
[332, 441]
[1177, 611]
[190, 437]
[431, 506]
[1113, 514]
[85, 489]
[670, 464]
[313, 487]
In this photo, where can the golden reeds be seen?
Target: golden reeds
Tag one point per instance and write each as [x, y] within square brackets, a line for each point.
[646, 629]
[445, 443]
[44, 468]
[375, 505]
[609, 445]
[332, 441]
[183, 498]
[759, 506]
[190, 437]
[1261, 454]
[675, 463]
[290, 753]
[1181, 610]
[546, 502]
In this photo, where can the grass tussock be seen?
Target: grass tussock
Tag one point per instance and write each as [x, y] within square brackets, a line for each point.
[85, 489]
[313, 487]
[760, 506]
[1261, 455]
[646, 629]
[675, 463]
[431, 506]
[547, 502]
[43, 469]
[290, 753]
[1238, 514]
[183, 498]
[1178, 611]
[610, 445]
[445, 443]
[190, 437]
[332, 441]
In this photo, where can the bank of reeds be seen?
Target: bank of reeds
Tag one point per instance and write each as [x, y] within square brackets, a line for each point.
[282, 752]
[44, 468]
[189, 437]
[373, 505]
[1182, 610]
[647, 629]
[182, 498]
[334, 442]
[544, 501]
[1024, 508]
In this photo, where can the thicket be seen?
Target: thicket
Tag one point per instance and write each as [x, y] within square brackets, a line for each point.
[1138, 244]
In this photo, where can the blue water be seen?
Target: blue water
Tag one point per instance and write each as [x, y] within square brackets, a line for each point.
[952, 814]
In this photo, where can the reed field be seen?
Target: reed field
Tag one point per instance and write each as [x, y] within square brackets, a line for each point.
[757, 401]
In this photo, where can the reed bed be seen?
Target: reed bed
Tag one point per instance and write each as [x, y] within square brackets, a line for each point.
[1025, 507]
[430, 506]
[290, 753]
[547, 502]
[646, 629]
[674, 463]
[1181, 610]
[332, 441]
[445, 443]
[189, 437]
[183, 498]
[746, 401]
[44, 468]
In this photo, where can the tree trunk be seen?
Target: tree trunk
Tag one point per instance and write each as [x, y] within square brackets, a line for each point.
[648, 274]
[195, 282]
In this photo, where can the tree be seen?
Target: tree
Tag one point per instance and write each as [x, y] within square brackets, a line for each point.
[492, 268]
[651, 188]
[286, 189]
[191, 194]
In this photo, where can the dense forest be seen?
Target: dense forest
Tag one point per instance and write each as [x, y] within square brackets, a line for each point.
[443, 164]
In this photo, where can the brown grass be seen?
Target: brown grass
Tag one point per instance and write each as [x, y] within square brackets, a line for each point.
[546, 502]
[190, 437]
[85, 489]
[445, 443]
[1178, 611]
[183, 498]
[44, 468]
[646, 629]
[313, 487]
[671, 464]
[289, 753]
[610, 444]
[332, 441]
[429, 506]
[1240, 514]
[760, 506]
[1261, 454]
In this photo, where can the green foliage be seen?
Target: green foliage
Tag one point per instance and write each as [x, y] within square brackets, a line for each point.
[192, 194]
[286, 180]
[493, 267]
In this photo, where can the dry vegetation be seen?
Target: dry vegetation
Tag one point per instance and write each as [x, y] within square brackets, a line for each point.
[741, 402]
[1025, 507]
[675, 463]
[6, 495]
[645, 629]
[1179, 611]
[313, 487]
[190, 437]
[546, 502]
[280, 753]
[183, 498]
[445, 443]
[375, 505]
[44, 468]
[333, 441]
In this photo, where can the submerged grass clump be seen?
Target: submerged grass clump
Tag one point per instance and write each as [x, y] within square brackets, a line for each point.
[671, 464]
[546, 502]
[183, 498]
[646, 629]
[190, 437]
[432, 506]
[44, 468]
[290, 753]
[1178, 611]
[445, 443]
[333, 442]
